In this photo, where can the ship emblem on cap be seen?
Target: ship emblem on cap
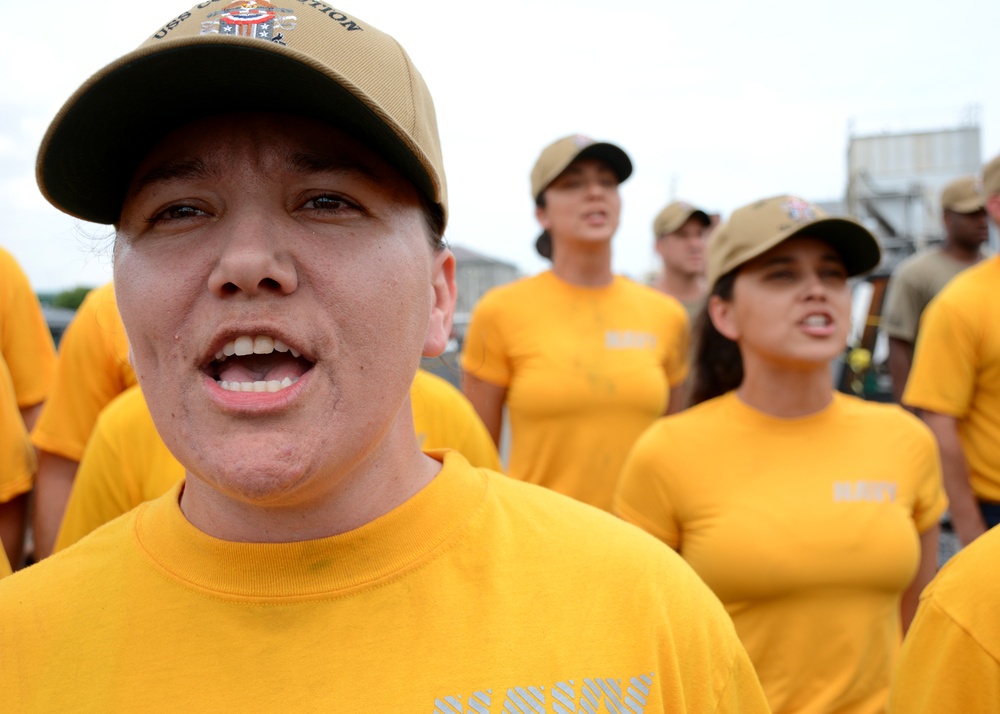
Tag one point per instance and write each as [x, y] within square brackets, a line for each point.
[799, 210]
[261, 20]
[581, 141]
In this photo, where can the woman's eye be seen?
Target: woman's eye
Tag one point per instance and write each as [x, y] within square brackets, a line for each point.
[177, 213]
[329, 203]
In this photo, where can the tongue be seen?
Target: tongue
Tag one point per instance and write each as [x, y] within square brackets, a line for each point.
[262, 368]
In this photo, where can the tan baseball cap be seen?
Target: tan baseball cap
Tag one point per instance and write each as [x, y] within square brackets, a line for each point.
[756, 228]
[962, 196]
[219, 57]
[991, 178]
[675, 215]
[558, 155]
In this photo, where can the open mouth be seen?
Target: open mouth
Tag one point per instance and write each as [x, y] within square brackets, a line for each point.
[257, 364]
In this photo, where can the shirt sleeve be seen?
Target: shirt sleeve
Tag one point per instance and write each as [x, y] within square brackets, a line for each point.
[92, 371]
[641, 496]
[17, 458]
[25, 340]
[484, 352]
[943, 376]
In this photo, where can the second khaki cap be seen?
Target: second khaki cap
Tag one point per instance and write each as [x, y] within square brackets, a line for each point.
[962, 196]
[754, 229]
[991, 178]
[674, 216]
[558, 155]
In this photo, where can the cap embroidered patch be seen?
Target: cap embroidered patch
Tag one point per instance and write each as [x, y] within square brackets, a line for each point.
[260, 20]
[799, 210]
[581, 141]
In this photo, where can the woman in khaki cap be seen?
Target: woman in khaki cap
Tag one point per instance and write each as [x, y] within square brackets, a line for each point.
[811, 514]
[584, 360]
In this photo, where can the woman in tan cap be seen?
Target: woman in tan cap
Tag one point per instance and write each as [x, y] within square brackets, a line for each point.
[279, 276]
[811, 514]
[584, 360]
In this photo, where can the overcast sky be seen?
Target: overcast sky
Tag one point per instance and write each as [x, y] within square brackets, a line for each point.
[719, 102]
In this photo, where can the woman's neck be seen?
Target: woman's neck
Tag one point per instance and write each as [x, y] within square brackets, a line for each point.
[590, 266]
[785, 392]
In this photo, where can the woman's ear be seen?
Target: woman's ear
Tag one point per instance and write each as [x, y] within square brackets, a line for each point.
[443, 305]
[722, 314]
[541, 215]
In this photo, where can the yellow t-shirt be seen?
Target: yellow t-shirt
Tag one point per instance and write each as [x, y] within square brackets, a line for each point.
[913, 285]
[25, 341]
[446, 604]
[444, 419]
[126, 462]
[807, 530]
[950, 660]
[586, 370]
[17, 457]
[93, 370]
[956, 369]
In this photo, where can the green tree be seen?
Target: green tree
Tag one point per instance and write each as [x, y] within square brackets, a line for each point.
[71, 298]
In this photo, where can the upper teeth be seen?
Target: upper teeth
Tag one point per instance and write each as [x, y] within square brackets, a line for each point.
[818, 320]
[259, 345]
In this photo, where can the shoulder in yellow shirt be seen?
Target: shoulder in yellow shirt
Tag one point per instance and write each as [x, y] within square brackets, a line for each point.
[25, 341]
[950, 661]
[93, 370]
[17, 457]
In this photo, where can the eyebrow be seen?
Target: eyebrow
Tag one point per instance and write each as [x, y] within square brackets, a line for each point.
[304, 162]
[172, 171]
[325, 164]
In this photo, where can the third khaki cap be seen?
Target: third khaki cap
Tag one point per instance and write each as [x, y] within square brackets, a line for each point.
[561, 153]
[675, 215]
[754, 229]
[962, 196]
[991, 178]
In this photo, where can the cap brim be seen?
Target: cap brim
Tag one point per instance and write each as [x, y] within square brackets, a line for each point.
[969, 205]
[102, 133]
[610, 154]
[855, 244]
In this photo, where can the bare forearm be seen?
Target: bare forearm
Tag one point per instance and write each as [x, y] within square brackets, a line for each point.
[52, 488]
[900, 360]
[13, 514]
[963, 507]
[925, 573]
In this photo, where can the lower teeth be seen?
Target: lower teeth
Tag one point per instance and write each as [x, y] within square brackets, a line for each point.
[259, 386]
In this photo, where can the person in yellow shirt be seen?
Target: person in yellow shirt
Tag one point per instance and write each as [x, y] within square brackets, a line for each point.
[811, 514]
[126, 463]
[955, 383]
[30, 362]
[950, 659]
[93, 370]
[280, 269]
[583, 359]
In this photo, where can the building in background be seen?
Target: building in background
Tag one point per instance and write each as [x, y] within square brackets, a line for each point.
[476, 273]
[894, 182]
